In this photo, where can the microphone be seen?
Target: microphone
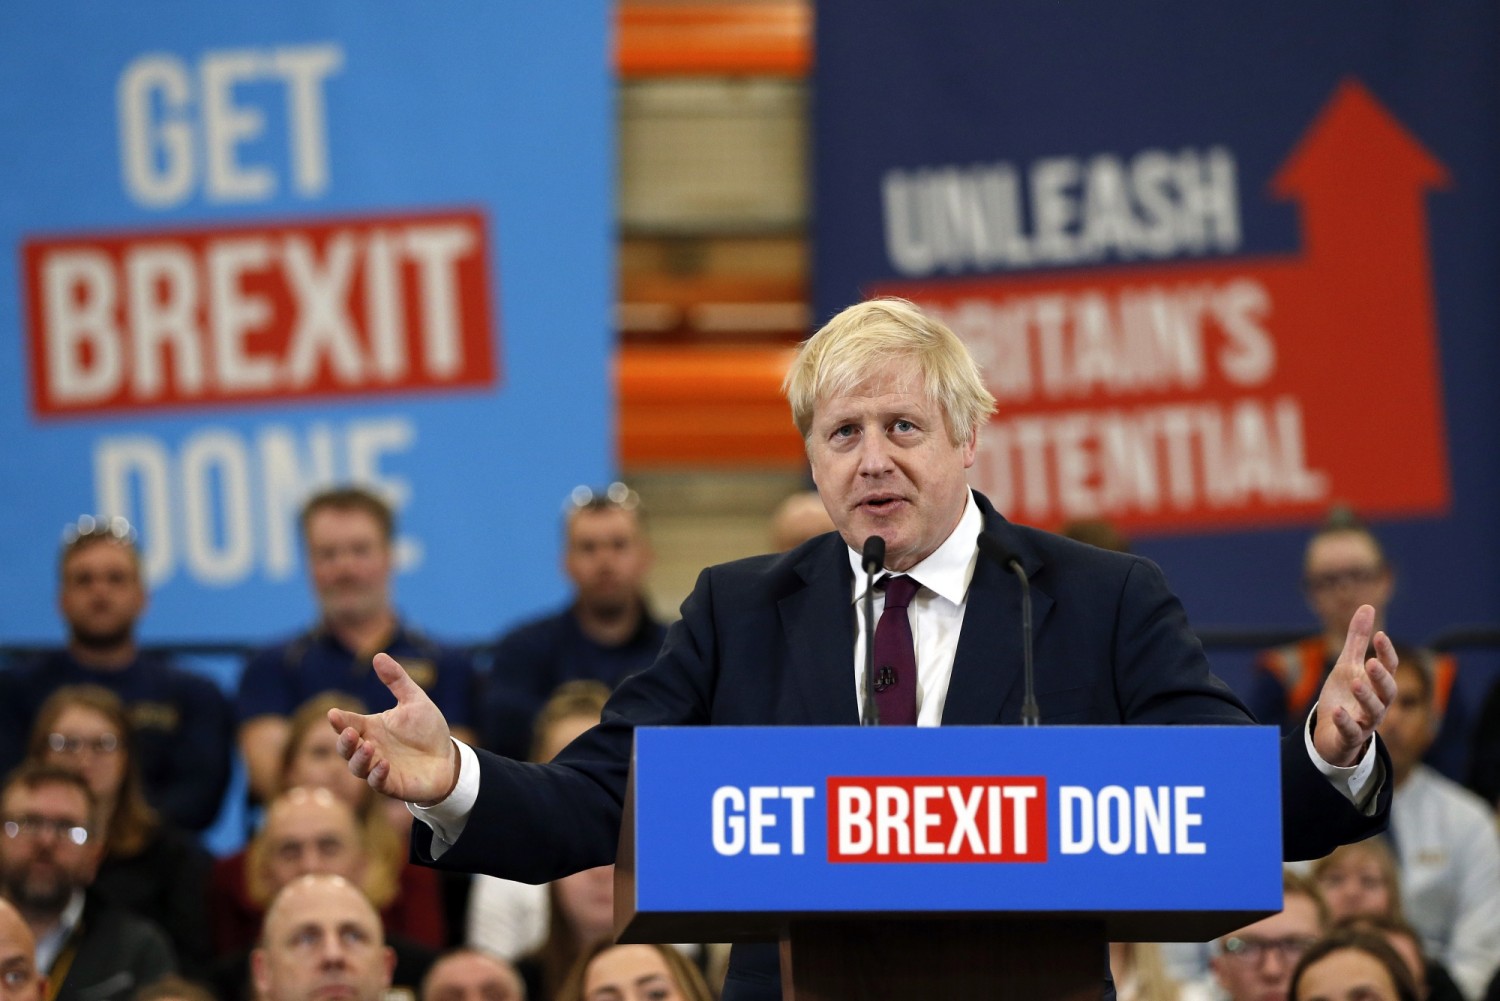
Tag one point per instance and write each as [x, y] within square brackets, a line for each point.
[872, 559]
[996, 550]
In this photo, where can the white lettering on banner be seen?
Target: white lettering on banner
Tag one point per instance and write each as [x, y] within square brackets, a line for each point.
[169, 116]
[941, 820]
[224, 506]
[951, 219]
[748, 818]
[1157, 821]
[235, 315]
[1082, 464]
[1140, 339]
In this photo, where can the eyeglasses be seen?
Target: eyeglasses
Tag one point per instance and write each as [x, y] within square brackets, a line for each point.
[1332, 580]
[88, 527]
[1253, 950]
[616, 494]
[34, 827]
[105, 743]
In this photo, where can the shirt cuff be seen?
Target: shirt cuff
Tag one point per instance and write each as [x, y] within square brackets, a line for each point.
[448, 817]
[1359, 782]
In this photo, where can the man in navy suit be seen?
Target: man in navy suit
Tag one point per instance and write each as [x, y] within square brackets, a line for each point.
[890, 405]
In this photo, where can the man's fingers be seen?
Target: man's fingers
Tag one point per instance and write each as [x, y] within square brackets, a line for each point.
[1358, 640]
[394, 676]
[361, 759]
[1349, 731]
[342, 719]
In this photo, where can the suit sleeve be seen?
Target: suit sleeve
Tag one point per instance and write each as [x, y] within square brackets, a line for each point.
[534, 823]
[1162, 676]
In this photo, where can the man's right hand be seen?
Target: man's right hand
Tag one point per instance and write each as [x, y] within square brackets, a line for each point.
[406, 752]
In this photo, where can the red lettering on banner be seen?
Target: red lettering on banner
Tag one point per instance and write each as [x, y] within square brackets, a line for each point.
[216, 315]
[1238, 392]
[930, 819]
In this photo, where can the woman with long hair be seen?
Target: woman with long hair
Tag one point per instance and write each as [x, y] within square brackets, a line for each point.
[1359, 880]
[148, 867]
[634, 973]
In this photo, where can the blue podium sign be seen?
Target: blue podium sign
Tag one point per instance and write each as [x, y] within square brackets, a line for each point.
[1157, 831]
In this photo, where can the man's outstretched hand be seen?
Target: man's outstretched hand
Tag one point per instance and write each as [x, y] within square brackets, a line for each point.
[1357, 693]
[404, 752]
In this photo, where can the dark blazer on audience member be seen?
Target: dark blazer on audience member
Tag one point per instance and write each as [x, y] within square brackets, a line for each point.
[770, 640]
[111, 955]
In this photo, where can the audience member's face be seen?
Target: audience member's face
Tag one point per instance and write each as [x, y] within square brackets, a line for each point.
[884, 465]
[587, 900]
[322, 941]
[472, 976]
[101, 595]
[1355, 886]
[1346, 975]
[1343, 570]
[560, 733]
[1264, 971]
[630, 973]
[1407, 728]
[607, 558]
[310, 831]
[1410, 951]
[350, 562]
[799, 518]
[317, 764]
[42, 866]
[83, 740]
[19, 980]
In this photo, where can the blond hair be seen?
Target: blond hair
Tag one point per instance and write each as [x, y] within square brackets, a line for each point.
[852, 345]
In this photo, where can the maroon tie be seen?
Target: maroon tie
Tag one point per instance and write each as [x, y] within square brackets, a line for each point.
[895, 656]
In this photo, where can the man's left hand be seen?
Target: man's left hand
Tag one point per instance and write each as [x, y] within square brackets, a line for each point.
[1355, 696]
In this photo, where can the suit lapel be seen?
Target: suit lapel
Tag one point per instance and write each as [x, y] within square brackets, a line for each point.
[819, 625]
[987, 666]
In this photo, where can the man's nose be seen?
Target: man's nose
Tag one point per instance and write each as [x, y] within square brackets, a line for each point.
[874, 455]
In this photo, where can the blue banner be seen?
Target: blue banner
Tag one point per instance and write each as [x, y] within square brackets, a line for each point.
[1225, 265]
[254, 249]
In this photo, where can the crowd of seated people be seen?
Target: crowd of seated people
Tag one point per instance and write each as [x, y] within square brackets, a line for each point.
[112, 775]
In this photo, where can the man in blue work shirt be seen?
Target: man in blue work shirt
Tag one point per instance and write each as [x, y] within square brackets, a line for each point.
[605, 633]
[181, 720]
[348, 534]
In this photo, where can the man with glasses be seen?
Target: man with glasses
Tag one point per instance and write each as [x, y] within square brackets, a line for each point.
[49, 852]
[348, 537]
[182, 720]
[1344, 567]
[1256, 962]
[605, 633]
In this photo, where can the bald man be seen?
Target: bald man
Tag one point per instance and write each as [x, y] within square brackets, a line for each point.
[311, 831]
[471, 975]
[322, 938]
[19, 980]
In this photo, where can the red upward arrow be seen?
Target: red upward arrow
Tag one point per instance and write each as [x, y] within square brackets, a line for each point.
[1360, 176]
[1351, 315]
[1363, 297]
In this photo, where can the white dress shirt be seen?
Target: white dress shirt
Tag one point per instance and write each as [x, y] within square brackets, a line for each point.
[936, 613]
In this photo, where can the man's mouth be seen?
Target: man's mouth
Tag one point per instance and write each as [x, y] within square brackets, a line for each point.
[880, 502]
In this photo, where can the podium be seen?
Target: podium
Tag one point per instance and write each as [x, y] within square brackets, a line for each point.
[948, 862]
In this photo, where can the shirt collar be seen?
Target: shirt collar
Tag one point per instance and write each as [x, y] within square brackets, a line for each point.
[949, 568]
[50, 945]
